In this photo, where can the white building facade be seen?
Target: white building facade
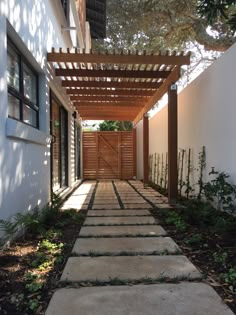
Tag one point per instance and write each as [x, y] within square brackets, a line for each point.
[39, 128]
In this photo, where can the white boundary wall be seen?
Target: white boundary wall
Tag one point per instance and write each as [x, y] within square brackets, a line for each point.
[206, 117]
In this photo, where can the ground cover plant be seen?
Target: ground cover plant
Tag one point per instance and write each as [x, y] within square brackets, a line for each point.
[31, 266]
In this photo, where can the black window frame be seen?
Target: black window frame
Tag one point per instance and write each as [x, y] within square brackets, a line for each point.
[19, 95]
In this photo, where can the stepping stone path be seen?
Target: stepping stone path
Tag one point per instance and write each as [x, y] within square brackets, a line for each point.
[124, 248]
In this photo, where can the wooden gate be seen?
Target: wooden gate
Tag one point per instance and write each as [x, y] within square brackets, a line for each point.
[109, 155]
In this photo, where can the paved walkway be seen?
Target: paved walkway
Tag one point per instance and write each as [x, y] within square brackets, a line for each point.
[123, 261]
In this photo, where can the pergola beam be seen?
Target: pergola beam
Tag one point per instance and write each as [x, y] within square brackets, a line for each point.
[107, 117]
[118, 59]
[128, 100]
[108, 106]
[112, 111]
[125, 111]
[130, 93]
[111, 84]
[172, 78]
[112, 73]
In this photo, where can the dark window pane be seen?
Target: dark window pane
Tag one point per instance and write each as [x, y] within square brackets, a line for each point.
[30, 84]
[65, 5]
[29, 116]
[13, 69]
[13, 107]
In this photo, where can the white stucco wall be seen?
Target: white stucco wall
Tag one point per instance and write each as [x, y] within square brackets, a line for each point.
[34, 27]
[206, 117]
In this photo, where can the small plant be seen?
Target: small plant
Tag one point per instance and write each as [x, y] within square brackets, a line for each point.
[202, 166]
[50, 247]
[45, 256]
[194, 239]
[220, 258]
[44, 266]
[32, 282]
[175, 219]
[39, 259]
[181, 169]
[187, 184]
[166, 172]
[230, 276]
[33, 304]
[219, 190]
[53, 234]
[224, 225]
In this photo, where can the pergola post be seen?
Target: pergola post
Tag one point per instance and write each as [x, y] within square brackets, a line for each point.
[172, 144]
[145, 149]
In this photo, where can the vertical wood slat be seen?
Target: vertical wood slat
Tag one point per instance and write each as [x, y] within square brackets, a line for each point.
[114, 157]
[172, 144]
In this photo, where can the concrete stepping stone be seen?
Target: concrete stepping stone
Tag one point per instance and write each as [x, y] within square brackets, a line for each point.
[129, 195]
[125, 268]
[137, 205]
[103, 201]
[123, 230]
[117, 213]
[141, 220]
[125, 245]
[106, 206]
[105, 195]
[133, 200]
[156, 299]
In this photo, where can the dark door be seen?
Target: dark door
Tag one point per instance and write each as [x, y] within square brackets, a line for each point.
[59, 146]
[77, 151]
[64, 147]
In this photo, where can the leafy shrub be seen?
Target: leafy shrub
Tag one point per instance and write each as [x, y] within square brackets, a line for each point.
[230, 276]
[34, 222]
[194, 239]
[173, 218]
[219, 190]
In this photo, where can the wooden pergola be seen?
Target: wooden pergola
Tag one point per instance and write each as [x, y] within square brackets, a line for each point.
[123, 86]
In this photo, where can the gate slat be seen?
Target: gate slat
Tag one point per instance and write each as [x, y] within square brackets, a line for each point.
[109, 155]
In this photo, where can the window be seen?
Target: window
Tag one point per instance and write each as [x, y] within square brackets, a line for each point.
[22, 88]
[66, 8]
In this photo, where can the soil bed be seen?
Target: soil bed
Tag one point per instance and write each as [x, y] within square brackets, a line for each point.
[16, 262]
[213, 253]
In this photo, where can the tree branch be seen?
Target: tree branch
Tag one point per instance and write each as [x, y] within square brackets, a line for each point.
[208, 41]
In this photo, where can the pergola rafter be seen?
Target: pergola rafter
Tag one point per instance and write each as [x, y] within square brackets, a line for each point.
[111, 92]
[111, 84]
[118, 81]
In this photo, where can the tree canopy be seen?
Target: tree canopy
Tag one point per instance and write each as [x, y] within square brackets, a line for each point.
[162, 24]
[111, 125]
[218, 10]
